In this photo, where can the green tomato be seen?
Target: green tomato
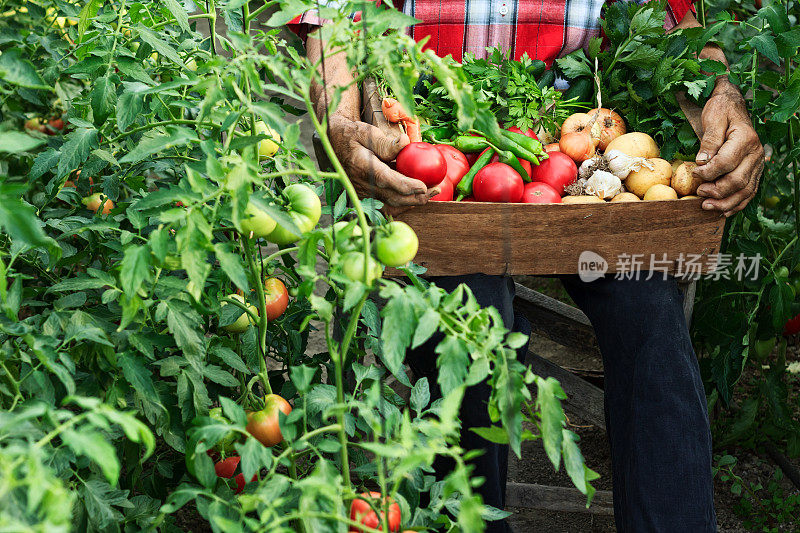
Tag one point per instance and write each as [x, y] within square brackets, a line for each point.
[353, 267]
[771, 201]
[782, 273]
[268, 147]
[762, 349]
[226, 443]
[244, 321]
[304, 208]
[795, 281]
[256, 221]
[396, 244]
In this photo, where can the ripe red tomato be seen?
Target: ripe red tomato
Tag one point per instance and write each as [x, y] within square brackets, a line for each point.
[227, 467]
[537, 192]
[558, 171]
[360, 511]
[525, 164]
[792, 326]
[263, 425]
[446, 195]
[457, 164]
[497, 182]
[239, 479]
[422, 161]
[56, 124]
[276, 298]
[527, 133]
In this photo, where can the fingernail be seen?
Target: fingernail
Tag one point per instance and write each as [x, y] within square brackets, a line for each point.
[702, 157]
[708, 206]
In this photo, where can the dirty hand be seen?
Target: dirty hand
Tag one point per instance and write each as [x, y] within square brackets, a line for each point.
[364, 150]
[731, 157]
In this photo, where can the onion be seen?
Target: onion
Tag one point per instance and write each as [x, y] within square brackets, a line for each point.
[578, 145]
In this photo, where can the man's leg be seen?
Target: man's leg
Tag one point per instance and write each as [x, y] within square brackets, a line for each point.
[496, 291]
[655, 405]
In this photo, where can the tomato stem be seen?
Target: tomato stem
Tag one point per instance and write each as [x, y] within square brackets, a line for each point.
[255, 273]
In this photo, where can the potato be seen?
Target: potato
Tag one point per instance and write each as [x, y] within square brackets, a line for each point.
[683, 181]
[638, 182]
[587, 199]
[626, 197]
[660, 192]
[635, 144]
[690, 197]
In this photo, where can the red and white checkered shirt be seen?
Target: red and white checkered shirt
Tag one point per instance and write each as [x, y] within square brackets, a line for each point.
[545, 29]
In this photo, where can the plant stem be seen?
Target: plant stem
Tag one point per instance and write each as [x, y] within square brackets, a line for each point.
[255, 273]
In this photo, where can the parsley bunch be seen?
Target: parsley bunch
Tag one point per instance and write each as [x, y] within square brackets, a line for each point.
[518, 93]
[642, 70]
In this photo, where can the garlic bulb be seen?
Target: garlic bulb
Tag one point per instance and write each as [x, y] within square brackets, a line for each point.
[603, 184]
[575, 188]
[588, 167]
[621, 164]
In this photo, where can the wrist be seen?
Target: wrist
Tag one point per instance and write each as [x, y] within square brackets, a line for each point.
[724, 87]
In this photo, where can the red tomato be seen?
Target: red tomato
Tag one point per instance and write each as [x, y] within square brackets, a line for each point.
[525, 164]
[360, 511]
[457, 164]
[792, 326]
[263, 425]
[558, 171]
[447, 191]
[276, 298]
[227, 467]
[537, 192]
[239, 479]
[527, 133]
[497, 182]
[422, 161]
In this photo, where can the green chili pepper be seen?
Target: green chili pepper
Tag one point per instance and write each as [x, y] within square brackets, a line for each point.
[464, 187]
[511, 160]
[501, 142]
[470, 144]
[530, 144]
[438, 134]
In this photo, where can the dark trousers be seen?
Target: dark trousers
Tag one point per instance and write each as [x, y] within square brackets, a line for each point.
[655, 405]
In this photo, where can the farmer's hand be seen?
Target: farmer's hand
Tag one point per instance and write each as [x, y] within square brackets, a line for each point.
[364, 150]
[731, 157]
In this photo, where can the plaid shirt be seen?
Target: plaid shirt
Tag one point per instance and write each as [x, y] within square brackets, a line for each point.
[545, 29]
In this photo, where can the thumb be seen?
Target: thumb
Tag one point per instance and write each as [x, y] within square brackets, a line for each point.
[715, 125]
[380, 144]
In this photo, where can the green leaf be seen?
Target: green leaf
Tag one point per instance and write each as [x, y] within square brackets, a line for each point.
[128, 109]
[232, 266]
[17, 70]
[453, 363]
[179, 13]
[575, 65]
[765, 44]
[398, 326]
[139, 376]
[164, 49]
[18, 220]
[492, 434]
[16, 142]
[103, 97]
[135, 268]
[549, 393]
[88, 12]
[420, 395]
[155, 142]
[94, 445]
[426, 327]
[76, 150]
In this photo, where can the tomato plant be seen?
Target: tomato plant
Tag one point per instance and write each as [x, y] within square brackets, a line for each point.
[149, 347]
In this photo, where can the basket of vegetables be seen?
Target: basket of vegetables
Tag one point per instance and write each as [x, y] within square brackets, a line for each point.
[562, 178]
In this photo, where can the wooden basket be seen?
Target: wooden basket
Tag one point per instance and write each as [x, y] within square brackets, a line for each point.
[455, 238]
